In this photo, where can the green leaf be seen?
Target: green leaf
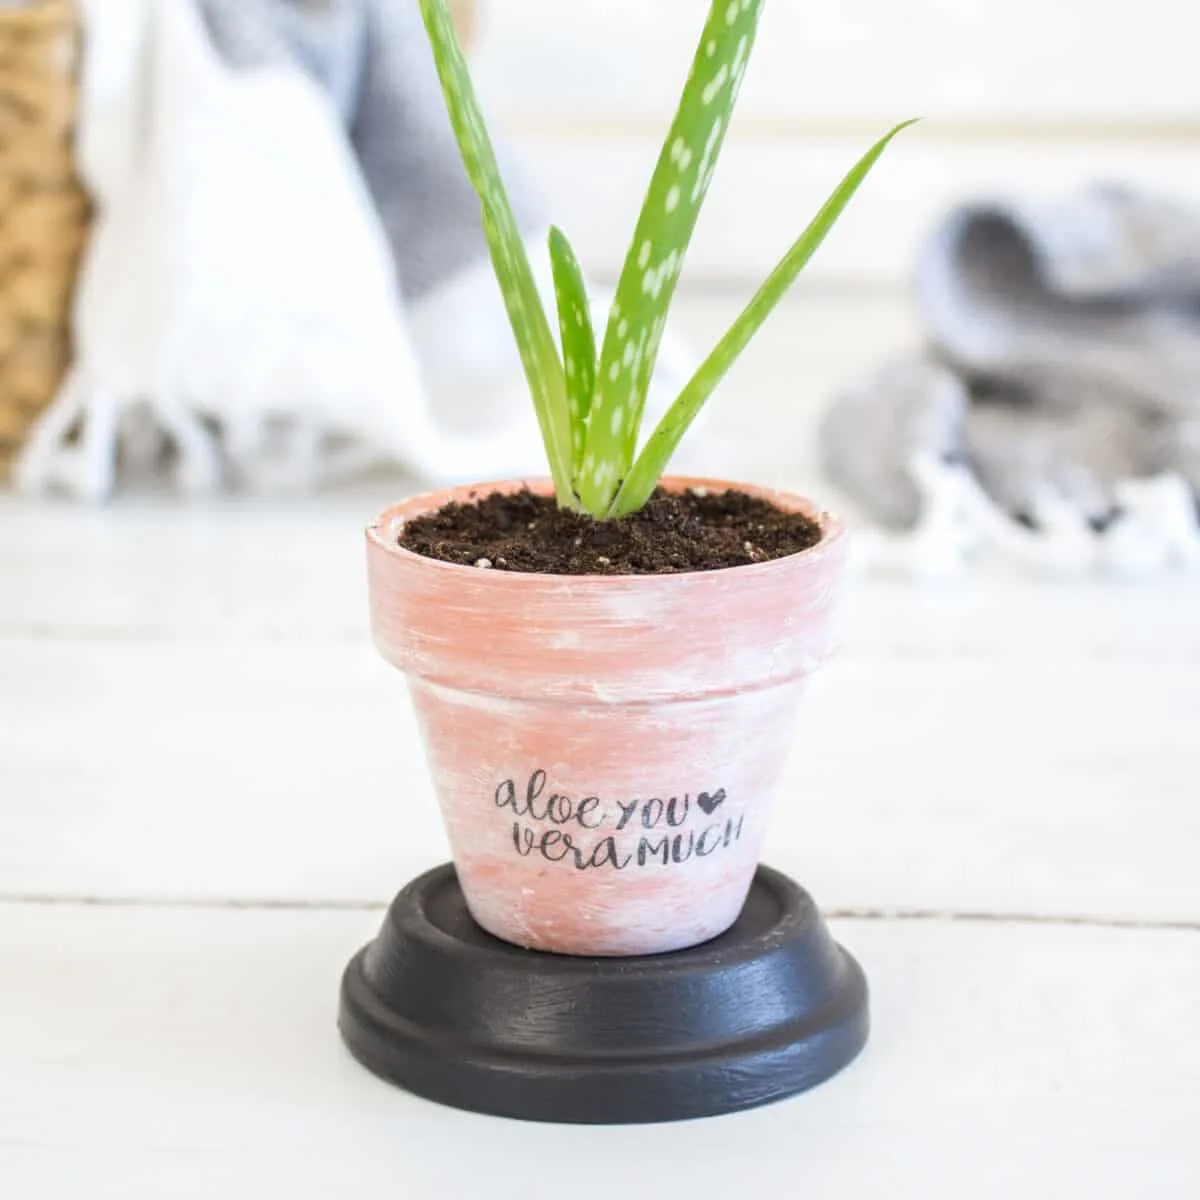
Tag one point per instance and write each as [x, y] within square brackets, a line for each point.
[578, 340]
[664, 230]
[653, 460]
[539, 354]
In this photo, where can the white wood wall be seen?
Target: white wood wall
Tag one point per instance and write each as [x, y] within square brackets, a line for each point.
[1028, 97]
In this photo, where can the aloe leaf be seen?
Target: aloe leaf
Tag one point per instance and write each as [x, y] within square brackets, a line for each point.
[539, 354]
[657, 452]
[575, 333]
[664, 230]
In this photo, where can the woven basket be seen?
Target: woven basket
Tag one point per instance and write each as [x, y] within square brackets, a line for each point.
[44, 213]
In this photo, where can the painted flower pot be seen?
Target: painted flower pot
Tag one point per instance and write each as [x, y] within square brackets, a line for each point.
[605, 749]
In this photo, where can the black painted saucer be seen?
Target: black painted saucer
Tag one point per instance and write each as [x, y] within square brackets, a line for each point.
[770, 1008]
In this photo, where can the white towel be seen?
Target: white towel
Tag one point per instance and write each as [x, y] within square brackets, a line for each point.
[238, 301]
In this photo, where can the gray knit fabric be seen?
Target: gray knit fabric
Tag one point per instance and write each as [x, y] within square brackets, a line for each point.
[372, 58]
[879, 425]
[1062, 358]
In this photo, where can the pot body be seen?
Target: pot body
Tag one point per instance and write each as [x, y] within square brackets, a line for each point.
[605, 749]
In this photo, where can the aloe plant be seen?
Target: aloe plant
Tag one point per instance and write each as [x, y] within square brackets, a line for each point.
[590, 403]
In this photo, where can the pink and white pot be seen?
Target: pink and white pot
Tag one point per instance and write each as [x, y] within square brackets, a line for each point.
[605, 749]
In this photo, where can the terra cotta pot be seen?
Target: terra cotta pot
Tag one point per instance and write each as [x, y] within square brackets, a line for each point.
[605, 749]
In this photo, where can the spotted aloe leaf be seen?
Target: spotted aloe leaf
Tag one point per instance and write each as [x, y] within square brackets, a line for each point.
[575, 333]
[640, 482]
[591, 412]
[531, 329]
[664, 229]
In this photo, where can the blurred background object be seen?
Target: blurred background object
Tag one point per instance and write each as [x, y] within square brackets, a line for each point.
[466, 15]
[1057, 392]
[44, 214]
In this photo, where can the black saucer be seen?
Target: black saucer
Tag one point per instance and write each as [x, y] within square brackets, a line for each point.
[768, 1009]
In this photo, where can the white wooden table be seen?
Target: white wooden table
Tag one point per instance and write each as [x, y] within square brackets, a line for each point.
[209, 787]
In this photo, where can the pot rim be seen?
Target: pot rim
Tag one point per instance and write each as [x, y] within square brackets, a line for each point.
[381, 531]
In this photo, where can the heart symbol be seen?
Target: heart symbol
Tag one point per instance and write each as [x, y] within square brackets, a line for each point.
[710, 804]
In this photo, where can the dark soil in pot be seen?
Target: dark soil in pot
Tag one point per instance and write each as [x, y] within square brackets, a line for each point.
[675, 531]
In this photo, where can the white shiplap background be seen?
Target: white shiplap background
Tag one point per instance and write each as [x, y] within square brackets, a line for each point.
[1028, 97]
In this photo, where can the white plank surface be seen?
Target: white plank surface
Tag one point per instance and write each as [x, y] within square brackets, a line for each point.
[192, 718]
[150, 1054]
[293, 772]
